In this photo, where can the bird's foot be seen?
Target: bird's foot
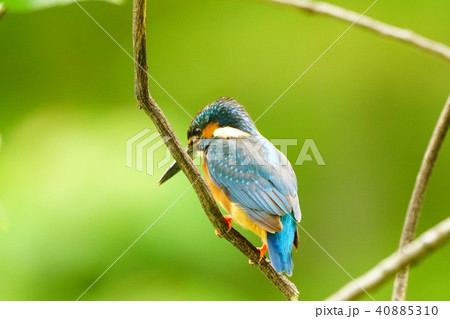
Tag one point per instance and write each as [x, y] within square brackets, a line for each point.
[228, 219]
[262, 251]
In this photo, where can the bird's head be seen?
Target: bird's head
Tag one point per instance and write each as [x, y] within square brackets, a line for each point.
[223, 118]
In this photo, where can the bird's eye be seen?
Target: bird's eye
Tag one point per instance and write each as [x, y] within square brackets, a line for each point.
[197, 131]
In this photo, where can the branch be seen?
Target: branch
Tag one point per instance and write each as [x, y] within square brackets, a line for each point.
[146, 102]
[411, 253]
[379, 27]
[416, 201]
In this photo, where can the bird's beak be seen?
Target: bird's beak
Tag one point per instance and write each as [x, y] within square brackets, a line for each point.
[175, 168]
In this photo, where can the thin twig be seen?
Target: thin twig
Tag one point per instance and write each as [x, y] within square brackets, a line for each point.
[416, 201]
[379, 27]
[146, 102]
[413, 252]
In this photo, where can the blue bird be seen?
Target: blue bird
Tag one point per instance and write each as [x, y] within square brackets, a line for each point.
[250, 178]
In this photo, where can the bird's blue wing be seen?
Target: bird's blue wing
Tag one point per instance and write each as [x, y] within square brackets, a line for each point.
[257, 176]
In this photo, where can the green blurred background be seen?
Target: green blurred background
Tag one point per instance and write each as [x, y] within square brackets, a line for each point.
[70, 206]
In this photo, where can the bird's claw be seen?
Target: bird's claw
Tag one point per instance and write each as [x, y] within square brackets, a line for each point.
[228, 219]
[262, 251]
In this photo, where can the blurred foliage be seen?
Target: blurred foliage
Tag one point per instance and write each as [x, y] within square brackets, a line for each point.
[67, 109]
[29, 5]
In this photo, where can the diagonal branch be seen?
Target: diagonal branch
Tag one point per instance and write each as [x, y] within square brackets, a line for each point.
[387, 30]
[148, 104]
[416, 201]
[413, 252]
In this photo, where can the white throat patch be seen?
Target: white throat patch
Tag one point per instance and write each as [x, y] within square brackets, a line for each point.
[227, 132]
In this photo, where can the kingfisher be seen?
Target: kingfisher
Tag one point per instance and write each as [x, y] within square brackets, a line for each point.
[248, 176]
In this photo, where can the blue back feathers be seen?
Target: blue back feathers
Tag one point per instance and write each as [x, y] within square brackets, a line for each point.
[262, 185]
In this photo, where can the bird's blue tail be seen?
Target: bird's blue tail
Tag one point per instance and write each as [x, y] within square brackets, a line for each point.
[280, 245]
